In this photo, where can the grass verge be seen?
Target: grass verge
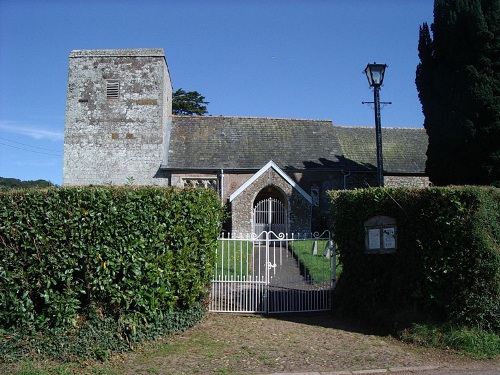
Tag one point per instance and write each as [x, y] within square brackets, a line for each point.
[474, 342]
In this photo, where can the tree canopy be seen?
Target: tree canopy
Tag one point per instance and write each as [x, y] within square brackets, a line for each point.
[188, 103]
[458, 81]
[14, 183]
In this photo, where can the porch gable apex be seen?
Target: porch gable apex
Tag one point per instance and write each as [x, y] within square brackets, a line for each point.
[261, 171]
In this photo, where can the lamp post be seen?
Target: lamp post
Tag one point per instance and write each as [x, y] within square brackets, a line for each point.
[375, 74]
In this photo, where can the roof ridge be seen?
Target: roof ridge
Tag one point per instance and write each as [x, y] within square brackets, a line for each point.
[294, 119]
[373, 127]
[256, 118]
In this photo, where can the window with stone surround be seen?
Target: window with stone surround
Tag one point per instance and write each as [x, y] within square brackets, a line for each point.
[204, 182]
[112, 89]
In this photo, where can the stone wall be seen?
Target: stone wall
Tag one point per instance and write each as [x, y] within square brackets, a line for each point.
[406, 181]
[303, 217]
[117, 106]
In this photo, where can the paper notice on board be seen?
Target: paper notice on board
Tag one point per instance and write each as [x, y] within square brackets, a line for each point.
[373, 239]
[389, 238]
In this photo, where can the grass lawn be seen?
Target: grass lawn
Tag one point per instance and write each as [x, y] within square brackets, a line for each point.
[233, 258]
[318, 266]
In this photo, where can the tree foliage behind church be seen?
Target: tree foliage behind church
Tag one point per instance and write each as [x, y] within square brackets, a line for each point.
[458, 81]
[188, 103]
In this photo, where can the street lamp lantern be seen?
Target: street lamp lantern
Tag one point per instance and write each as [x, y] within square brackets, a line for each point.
[375, 74]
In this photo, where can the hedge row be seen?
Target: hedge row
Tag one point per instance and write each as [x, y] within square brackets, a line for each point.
[96, 338]
[447, 263]
[125, 253]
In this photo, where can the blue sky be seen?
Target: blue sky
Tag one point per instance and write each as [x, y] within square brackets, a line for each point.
[282, 58]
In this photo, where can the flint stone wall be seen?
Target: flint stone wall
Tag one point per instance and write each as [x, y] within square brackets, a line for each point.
[116, 141]
[299, 209]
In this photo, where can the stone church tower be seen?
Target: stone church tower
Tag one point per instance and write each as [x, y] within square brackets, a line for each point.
[117, 110]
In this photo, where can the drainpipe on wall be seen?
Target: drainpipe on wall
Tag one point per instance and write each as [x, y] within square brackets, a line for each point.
[222, 186]
[346, 174]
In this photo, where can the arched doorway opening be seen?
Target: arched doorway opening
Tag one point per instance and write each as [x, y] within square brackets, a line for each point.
[270, 211]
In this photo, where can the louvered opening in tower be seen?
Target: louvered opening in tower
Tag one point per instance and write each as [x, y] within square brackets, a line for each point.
[112, 89]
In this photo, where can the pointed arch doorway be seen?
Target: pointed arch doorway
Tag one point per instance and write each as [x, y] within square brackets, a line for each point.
[270, 213]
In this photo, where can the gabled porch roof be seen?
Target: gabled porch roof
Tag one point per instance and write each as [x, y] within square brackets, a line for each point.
[260, 172]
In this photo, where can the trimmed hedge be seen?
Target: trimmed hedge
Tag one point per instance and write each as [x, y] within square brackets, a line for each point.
[131, 254]
[97, 338]
[446, 267]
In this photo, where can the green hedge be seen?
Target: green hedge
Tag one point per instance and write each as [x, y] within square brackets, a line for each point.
[446, 267]
[96, 338]
[126, 253]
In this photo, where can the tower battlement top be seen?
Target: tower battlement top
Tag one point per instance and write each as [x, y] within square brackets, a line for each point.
[141, 52]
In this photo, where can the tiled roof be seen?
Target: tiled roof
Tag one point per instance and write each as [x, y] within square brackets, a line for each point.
[209, 142]
[404, 149]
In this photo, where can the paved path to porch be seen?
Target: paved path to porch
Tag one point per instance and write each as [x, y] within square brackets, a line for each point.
[286, 271]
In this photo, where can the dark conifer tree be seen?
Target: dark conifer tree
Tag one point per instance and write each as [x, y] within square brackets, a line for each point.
[188, 103]
[458, 81]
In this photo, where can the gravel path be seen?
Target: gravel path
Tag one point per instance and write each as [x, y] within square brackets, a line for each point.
[236, 344]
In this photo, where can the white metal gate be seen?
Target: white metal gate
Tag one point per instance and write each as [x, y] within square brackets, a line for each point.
[272, 273]
[269, 215]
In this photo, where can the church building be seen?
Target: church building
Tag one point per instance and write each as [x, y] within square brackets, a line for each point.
[271, 173]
